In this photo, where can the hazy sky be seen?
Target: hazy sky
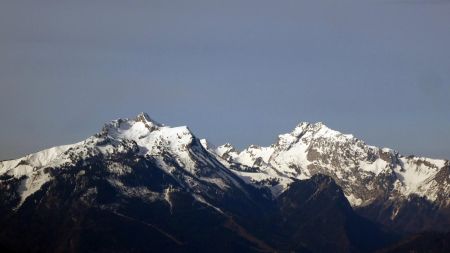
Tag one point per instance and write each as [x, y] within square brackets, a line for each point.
[233, 71]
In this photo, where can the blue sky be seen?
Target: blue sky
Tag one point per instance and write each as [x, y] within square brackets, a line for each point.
[233, 71]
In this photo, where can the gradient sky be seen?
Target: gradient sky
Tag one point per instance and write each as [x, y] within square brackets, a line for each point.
[233, 71]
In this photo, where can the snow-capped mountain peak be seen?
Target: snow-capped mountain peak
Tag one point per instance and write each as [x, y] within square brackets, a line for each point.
[176, 150]
[149, 135]
[318, 130]
[313, 148]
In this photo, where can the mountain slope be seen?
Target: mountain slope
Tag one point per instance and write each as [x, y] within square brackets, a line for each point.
[379, 182]
[314, 214]
[136, 175]
[174, 150]
[431, 242]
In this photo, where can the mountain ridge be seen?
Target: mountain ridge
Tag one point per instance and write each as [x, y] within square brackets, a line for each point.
[286, 152]
[138, 164]
[368, 175]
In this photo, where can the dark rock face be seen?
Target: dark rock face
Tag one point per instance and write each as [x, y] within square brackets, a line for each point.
[408, 215]
[314, 214]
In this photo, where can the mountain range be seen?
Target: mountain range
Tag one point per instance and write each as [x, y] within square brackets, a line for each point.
[141, 186]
